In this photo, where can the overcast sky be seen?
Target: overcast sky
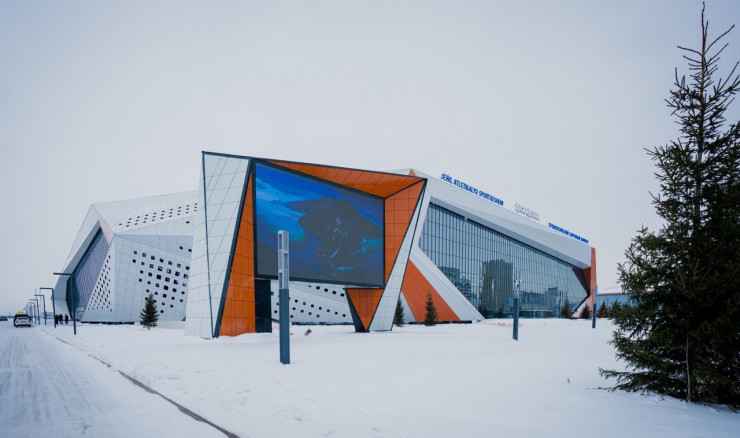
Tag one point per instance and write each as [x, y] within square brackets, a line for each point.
[545, 103]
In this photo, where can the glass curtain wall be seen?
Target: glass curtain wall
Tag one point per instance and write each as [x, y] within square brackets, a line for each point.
[82, 281]
[483, 264]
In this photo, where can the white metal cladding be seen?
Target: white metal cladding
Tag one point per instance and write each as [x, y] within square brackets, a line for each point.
[314, 303]
[163, 214]
[100, 306]
[221, 187]
[383, 318]
[60, 295]
[85, 236]
[507, 222]
[162, 223]
[156, 265]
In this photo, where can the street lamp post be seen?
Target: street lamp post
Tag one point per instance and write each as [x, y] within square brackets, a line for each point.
[43, 300]
[284, 294]
[34, 309]
[74, 305]
[593, 309]
[53, 306]
[516, 310]
[38, 310]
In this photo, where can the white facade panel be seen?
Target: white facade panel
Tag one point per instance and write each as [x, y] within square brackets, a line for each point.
[100, 307]
[152, 265]
[159, 226]
[84, 237]
[314, 303]
[222, 187]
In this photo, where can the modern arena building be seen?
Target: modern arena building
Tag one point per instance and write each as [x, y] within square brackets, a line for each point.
[360, 241]
[126, 250]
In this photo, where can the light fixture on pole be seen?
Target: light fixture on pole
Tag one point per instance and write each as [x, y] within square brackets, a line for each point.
[53, 306]
[74, 305]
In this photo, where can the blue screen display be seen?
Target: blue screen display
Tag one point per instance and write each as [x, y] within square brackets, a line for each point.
[336, 234]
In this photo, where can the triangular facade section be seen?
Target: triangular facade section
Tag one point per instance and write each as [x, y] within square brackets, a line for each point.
[416, 288]
[364, 302]
[220, 193]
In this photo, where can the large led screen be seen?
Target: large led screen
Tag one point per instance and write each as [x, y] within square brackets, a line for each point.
[336, 234]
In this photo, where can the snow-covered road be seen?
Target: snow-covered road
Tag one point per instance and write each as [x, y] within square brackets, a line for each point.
[48, 388]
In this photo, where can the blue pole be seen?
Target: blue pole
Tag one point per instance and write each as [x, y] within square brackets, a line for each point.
[284, 295]
[516, 318]
[284, 326]
[593, 310]
[517, 282]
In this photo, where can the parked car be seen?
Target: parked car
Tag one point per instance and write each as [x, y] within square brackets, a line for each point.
[22, 320]
[3, 318]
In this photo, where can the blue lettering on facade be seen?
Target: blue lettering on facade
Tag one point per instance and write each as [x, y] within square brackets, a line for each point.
[567, 233]
[456, 182]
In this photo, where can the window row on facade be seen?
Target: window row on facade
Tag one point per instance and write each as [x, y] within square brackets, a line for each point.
[483, 264]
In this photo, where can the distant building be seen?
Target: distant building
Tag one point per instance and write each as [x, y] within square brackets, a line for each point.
[126, 250]
[609, 298]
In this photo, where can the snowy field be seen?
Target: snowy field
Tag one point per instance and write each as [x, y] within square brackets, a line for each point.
[448, 380]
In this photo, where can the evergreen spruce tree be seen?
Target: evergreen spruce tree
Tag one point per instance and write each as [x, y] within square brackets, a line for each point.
[149, 316]
[430, 317]
[585, 312]
[679, 336]
[603, 311]
[398, 316]
[565, 311]
[616, 307]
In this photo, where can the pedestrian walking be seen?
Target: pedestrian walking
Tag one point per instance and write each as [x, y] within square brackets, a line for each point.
[66, 319]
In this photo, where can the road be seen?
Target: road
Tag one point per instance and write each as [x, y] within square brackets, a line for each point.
[48, 388]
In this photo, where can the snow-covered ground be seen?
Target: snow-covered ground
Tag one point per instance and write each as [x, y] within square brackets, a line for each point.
[448, 380]
[49, 389]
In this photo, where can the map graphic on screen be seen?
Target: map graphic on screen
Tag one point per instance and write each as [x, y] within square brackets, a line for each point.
[336, 234]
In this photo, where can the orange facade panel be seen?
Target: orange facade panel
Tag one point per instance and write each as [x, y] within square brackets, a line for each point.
[365, 302]
[239, 306]
[399, 210]
[590, 274]
[374, 183]
[415, 289]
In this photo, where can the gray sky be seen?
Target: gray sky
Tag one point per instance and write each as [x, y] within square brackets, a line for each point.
[548, 104]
